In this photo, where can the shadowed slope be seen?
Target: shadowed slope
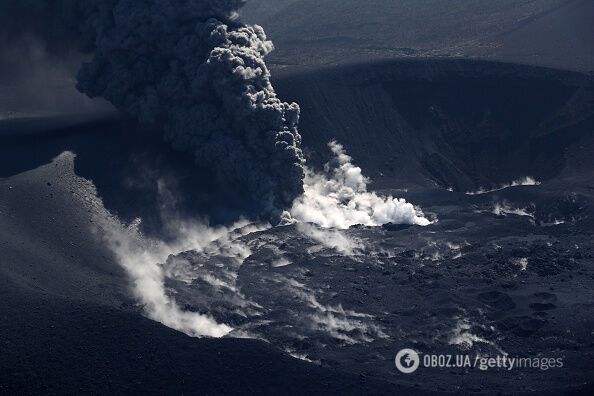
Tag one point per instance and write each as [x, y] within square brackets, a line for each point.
[458, 123]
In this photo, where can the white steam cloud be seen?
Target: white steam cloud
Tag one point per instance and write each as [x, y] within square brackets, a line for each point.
[338, 198]
[505, 209]
[143, 258]
[346, 325]
[524, 181]
[333, 239]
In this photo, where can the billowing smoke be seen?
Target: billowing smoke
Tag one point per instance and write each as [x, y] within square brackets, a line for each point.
[338, 198]
[190, 66]
[193, 68]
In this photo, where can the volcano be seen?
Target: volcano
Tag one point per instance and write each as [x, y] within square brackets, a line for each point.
[445, 207]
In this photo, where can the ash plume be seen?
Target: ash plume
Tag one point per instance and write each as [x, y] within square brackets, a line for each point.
[192, 67]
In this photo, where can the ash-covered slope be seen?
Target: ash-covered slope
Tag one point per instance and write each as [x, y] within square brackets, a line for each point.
[458, 123]
[556, 33]
[54, 347]
[69, 303]
[69, 322]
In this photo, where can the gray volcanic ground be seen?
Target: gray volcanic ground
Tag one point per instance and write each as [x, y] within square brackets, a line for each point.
[507, 267]
[118, 253]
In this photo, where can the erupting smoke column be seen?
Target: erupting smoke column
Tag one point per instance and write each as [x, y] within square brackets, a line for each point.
[189, 66]
[192, 67]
